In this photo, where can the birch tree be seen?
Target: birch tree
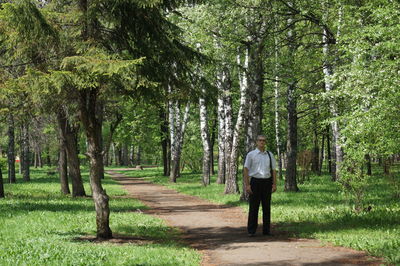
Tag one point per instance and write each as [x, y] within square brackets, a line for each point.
[329, 41]
[291, 148]
[178, 120]
[205, 138]
[231, 185]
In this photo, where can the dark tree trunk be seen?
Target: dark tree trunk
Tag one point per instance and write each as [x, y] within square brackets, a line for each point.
[369, 166]
[212, 143]
[63, 169]
[11, 150]
[328, 149]
[1, 184]
[91, 117]
[48, 159]
[138, 155]
[69, 135]
[125, 155]
[164, 139]
[291, 169]
[291, 151]
[113, 127]
[25, 153]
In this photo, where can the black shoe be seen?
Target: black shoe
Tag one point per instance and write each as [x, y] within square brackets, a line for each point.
[268, 234]
[251, 234]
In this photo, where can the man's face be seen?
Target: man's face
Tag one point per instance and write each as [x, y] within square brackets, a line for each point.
[261, 143]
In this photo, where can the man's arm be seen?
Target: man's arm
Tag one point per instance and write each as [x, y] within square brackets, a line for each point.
[273, 180]
[247, 180]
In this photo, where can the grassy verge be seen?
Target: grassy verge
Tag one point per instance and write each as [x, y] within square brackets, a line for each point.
[318, 211]
[39, 226]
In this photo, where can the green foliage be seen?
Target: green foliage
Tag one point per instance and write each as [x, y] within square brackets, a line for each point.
[3, 163]
[42, 227]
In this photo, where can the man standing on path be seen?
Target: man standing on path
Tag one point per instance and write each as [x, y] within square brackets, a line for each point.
[260, 166]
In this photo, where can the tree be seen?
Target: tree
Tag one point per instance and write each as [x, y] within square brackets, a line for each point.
[1, 183]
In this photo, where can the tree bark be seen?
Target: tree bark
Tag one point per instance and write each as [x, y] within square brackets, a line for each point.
[1, 184]
[91, 117]
[69, 135]
[328, 149]
[25, 152]
[177, 129]
[221, 140]
[369, 165]
[205, 138]
[212, 142]
[63, 169]
[11, 150]
[328, 71]
[291, 149]
[113, 128]
[231, 185]
[164, 140]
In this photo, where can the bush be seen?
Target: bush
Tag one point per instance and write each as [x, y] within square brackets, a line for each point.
[3, 163]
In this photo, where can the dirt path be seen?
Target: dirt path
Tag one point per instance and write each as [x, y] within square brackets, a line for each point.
[219, 232]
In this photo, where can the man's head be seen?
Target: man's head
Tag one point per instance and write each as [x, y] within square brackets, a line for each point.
[261, 140]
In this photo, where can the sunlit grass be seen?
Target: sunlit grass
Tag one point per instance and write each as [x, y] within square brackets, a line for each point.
[40, 226]
[320, 210]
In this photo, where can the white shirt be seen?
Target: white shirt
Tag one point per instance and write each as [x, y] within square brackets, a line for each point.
[258, 163]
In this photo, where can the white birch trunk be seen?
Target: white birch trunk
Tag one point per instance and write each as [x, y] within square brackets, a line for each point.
[276, 102]
[329, 87]
[221, 131]
[177, 131]
[205, 138]
[231, 183]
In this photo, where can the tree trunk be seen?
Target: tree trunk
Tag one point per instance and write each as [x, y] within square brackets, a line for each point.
[177, 129]
[321, 157]
[221, 140]
[205, 138]
[48, 159]
[369, 165]
[91, 117]
[125, 155]
[277, 117]
[138, 155]
[69, 135]
[1, 184]
[164, 140]
[63, 169]
[224, 90]
[11, 150]
[328, 149]
[113, 128]
[328, 41]
[291, 149]
[212, 142]
[25, 153]
[231, 185]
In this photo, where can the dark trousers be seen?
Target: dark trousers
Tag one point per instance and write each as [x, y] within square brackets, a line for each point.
[261, 189]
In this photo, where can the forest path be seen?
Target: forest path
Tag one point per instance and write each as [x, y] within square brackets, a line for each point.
[219, 231]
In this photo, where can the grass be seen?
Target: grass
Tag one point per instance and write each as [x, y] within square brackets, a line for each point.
[39, 226]
[320, 210]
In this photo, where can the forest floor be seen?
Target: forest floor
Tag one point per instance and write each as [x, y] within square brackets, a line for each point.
[219, 231]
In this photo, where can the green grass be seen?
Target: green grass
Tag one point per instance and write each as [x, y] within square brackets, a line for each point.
[39, 226]
[320, 210]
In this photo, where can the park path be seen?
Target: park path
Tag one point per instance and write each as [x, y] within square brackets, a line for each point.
[219, 232]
